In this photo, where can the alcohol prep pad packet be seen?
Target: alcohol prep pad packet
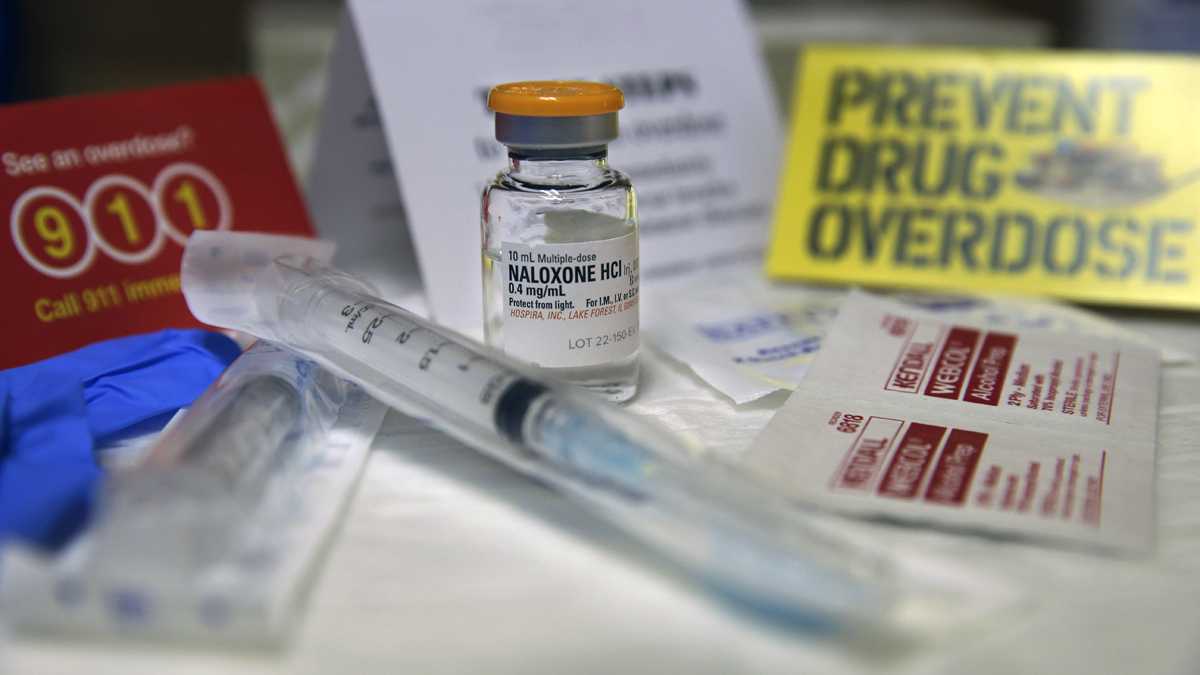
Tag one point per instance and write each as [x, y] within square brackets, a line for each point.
[912, 415]
[748, 338]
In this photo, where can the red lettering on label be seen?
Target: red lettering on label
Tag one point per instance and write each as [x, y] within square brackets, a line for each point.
[867, 453]
[861, 467]
[913, 363]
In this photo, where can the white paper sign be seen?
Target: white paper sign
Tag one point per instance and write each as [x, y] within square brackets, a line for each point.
[911, 415]
[700, 135]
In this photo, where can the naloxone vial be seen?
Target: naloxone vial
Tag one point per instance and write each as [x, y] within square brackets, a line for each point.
[560, 237]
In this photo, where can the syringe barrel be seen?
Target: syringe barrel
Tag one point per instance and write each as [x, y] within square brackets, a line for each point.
[724, 529]
[465, 387]
[444, 374]
[729, 531]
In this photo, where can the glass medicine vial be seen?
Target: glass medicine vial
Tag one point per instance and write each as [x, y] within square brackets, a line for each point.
[560, 237]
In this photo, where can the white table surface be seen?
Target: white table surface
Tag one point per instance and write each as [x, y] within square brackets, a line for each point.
[448, 562]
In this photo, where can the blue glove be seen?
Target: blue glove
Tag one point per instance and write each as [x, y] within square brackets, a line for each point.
[54, 414]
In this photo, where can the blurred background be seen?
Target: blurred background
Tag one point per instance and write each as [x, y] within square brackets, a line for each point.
[60, 47]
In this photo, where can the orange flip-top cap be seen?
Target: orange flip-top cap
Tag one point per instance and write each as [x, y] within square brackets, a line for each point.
[555, 98]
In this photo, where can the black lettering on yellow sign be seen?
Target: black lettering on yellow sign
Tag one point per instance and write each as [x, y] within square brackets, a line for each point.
[1114, 247]
[1015, 104]
[1006, 170]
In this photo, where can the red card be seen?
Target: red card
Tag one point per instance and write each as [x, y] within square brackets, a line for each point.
[101, 193]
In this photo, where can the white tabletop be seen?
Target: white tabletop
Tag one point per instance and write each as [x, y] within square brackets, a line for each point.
[448, 562]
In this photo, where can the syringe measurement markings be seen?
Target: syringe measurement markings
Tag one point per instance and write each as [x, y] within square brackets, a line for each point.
[432, 352]
[369, 331]
[355, 311]
[466, 365]
[493, 385]
[406, 334]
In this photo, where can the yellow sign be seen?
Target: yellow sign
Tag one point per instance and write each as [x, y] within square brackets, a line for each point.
[1073, 174]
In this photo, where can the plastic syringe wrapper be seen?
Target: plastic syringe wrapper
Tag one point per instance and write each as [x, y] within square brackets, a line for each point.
[214, 533]
[705, 517]
[279, 288]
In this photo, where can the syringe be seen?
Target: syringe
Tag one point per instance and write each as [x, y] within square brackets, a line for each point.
[739, 539]
[185, 498]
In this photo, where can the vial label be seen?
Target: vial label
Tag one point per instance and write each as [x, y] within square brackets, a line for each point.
[571, 304]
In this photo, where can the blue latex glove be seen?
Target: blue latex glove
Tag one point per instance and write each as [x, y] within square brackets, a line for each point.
[54, 414]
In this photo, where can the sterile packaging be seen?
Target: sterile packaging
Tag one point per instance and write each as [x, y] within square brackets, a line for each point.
[214, 533]
[911, 415]
[744, 336]
[748, 338]
[703, 516]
